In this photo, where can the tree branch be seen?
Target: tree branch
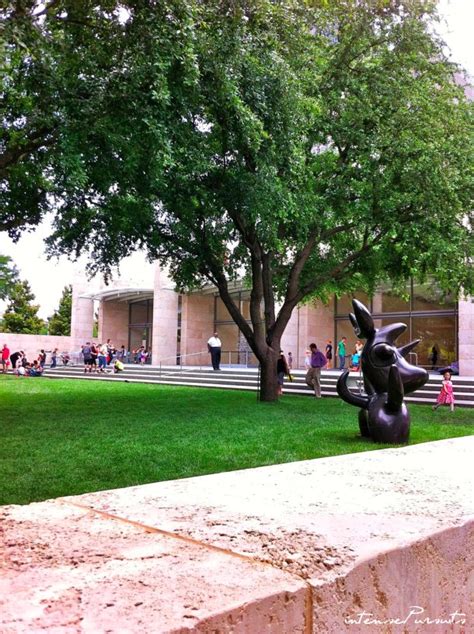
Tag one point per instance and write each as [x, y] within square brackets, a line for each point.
[268, 294]
[15, 154]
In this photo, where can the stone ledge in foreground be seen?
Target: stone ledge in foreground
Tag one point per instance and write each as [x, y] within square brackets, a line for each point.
[66, 570]
[319, 543]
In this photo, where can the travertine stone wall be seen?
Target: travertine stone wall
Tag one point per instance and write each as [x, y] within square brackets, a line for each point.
[82, 314]
[310, 323]
[113, 322]
[466, 337]
[32, 344]
[165, 318]
[197, 327]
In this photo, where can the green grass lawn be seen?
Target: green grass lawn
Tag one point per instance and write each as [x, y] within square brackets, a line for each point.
[66, 437]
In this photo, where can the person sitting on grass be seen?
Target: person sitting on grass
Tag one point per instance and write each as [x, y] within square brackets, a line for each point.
[20, 371]
[35, 369]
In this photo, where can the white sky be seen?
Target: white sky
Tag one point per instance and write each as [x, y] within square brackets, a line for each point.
[48, 278]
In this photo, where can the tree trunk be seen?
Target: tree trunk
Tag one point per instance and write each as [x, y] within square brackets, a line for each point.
[268, 376]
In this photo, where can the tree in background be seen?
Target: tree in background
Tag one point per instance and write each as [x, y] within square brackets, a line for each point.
[8, 276]
[311, 148]
[21, 316]
[60, 322]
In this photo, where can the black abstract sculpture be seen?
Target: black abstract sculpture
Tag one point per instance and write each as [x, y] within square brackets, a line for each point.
[387, 378]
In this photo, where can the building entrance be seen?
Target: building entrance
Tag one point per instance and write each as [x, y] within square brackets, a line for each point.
[140, 326]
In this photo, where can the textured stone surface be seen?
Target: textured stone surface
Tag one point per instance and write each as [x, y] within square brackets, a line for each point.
[69, 570]
[314, 546]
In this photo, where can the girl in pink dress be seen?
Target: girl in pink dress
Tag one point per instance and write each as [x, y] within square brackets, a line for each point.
[446, 396]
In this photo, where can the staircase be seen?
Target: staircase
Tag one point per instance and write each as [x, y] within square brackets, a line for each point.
[247, 379]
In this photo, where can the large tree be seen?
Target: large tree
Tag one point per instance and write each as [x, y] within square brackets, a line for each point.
[60, 322]
[40, 88]
[311, 148]
[21, 315]
[8, 276]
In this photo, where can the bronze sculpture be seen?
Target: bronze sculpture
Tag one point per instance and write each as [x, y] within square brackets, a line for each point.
[387, 378]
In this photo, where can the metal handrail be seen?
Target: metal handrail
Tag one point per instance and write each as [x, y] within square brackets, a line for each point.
[180, 357]
[415, 354]
[180, 365]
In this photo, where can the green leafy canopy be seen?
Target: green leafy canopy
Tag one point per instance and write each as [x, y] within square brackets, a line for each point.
[60, 322]
[308, 147]
[21, 316]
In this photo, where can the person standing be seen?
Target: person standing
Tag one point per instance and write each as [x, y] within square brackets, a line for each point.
[446, 396]
[42, 358]
[5, 358]
[313, 375]
[290, 361]
[328, 352]
[16, 358]
[87, 354]
[102, 357]
[110, 351]
[214, 346]
[282, 369]
[341, 352]
[54, 358]
[433, 357]
[94, 355]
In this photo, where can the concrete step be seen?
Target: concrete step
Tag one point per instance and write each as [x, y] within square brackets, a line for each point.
[246, 379]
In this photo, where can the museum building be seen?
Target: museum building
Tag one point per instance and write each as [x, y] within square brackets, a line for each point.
[174, 327]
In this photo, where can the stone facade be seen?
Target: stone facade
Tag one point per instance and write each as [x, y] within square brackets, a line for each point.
[184, 335]
[311, 323]
[82, 314]
[113, 322]
[466, 336]
[32, 344]
[197, 325]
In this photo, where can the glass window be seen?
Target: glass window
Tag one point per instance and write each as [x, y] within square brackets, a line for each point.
[139, 336]
[438, 332]
[139, 313]
[428, 297]
[386, 300]
[344, 303]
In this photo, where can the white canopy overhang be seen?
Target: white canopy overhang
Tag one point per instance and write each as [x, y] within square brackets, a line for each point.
[121, 294]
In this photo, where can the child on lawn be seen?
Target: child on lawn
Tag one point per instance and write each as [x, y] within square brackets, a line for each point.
[446, 396]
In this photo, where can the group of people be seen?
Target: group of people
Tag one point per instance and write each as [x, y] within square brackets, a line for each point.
[343, 354]
[315, 361]
[19, 363]
[103, 357]
[99, 357]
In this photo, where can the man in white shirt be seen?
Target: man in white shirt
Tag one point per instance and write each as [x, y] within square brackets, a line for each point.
[214, 346]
